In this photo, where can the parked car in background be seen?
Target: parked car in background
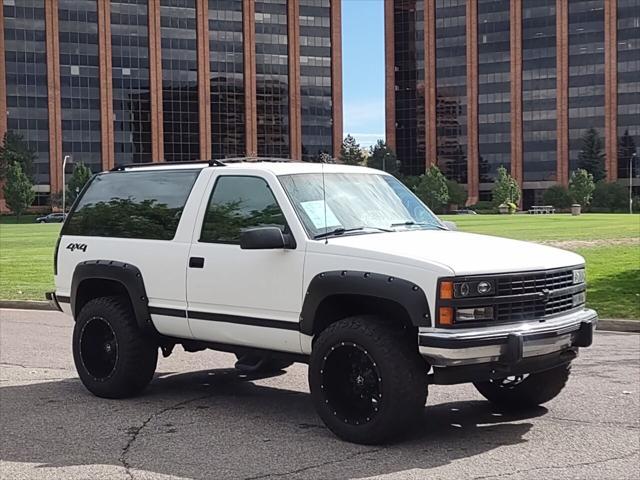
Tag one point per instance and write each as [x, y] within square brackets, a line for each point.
[52, 218]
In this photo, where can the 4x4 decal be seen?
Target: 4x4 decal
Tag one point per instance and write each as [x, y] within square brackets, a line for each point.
[77, 246]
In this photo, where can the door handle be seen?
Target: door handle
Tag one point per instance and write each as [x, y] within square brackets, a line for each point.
[196, 262]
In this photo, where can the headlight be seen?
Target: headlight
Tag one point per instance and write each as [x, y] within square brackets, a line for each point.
[474, 314]
[473, 288]
[579, 276]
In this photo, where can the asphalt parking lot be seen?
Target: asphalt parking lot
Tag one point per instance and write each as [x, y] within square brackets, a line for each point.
[200, 419]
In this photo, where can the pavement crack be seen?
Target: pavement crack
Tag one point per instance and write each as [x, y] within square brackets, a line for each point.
[559, 467]
[134, 432]
[311, 467]
[589, 422]
[28, 367]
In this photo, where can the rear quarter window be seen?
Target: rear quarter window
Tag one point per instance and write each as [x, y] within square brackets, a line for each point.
[132, 204]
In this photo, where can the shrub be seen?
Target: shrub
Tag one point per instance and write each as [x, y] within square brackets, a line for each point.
[581, 187]
[558, 196]
[610, 197]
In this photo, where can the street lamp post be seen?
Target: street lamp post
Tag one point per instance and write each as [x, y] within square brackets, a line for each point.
[64, 185]
[632, 157]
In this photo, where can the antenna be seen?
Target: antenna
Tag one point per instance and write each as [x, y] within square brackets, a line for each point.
[324, 203]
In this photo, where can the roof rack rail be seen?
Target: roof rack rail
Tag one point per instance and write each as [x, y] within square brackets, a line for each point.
[210, 163]
[255, 159]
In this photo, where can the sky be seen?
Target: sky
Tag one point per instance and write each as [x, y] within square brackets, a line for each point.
[363, 69]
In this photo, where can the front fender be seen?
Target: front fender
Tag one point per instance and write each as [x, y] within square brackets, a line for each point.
[407, 294]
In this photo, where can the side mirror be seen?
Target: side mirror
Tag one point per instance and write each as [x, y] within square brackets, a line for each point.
[262, 238]
[451, 225]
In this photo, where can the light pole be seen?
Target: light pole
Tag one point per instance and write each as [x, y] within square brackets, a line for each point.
[64, 185]
[631, 159]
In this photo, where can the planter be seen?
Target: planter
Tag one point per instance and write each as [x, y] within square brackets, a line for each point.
[575, 209]
[502, 209]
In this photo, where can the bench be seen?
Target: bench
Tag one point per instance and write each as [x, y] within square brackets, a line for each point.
[542, 209]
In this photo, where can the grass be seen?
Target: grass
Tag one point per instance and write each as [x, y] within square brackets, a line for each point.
[613, 258]
[26, 260]
[538, 228]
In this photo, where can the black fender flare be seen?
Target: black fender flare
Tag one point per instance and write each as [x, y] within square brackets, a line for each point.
[129, 276]
[343, 282]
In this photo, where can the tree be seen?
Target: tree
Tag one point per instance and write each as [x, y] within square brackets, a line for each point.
[626, 149]
[591, 155]
[506, 190]
[81, 175]
[18, 190]
[15, 150]
[457, 193]
[611, 197]
[350, 153]
[383, 158]
[432, 189]
[581, 186]
[558, 196]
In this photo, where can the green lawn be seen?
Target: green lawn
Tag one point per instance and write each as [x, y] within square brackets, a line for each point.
[551, 227]
[26, 260]
[613, 270]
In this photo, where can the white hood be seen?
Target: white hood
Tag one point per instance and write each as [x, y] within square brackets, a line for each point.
[463, 253]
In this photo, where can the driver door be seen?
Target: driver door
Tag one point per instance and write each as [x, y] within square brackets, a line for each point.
[243, 297]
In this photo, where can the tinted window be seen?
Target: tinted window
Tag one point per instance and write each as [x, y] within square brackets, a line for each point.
[239, 203]
[143, 204]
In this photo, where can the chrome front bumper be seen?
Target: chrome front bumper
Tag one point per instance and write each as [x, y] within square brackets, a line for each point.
[507, 344]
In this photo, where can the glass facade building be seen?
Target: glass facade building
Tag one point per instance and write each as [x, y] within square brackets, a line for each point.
[517, 84]
[133, 81]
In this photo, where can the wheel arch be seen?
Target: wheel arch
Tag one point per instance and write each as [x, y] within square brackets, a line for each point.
[334, 295]
[99, 278]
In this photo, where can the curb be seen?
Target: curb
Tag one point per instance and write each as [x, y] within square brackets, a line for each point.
[628, 326]
[27, 304]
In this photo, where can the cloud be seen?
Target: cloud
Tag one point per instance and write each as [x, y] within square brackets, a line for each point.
[366, 139]
[365, 117]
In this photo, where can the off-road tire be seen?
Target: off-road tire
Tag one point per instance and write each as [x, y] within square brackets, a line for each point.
[135, 358]
[402, 378]
[536, 389]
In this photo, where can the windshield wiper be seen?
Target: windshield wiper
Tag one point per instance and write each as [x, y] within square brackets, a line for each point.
[411, 223]
[341, 231]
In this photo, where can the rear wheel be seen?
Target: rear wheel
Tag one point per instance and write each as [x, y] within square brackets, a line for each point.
[525, 391]
[367, 382]
[112, 356]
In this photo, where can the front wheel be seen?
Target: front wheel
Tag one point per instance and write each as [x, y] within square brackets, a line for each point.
[368, 383]
[114, 359]
[525, 391]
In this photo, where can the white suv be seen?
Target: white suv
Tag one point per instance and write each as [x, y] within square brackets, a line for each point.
[336, 266]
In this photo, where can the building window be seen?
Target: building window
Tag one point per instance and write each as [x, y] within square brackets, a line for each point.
[628, 85]
[130, 73]
[586, 72]
[315, 78]
[180, 107]
[26, 80]
[272, 78]
[494, 88]
[451, 88]
[226, 64]
[80, 81]
[539, 90]
[408, 18]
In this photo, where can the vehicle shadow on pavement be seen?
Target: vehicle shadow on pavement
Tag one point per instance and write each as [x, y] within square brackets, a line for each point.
[220, 424]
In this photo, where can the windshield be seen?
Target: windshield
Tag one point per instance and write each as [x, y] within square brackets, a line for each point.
[355, 202]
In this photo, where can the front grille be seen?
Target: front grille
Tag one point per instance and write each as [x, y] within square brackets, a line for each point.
[536, 282]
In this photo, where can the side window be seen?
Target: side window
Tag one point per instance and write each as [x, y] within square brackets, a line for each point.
[239, 203]
[132, 204]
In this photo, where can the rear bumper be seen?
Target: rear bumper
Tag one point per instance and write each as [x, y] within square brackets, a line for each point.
[508, 345]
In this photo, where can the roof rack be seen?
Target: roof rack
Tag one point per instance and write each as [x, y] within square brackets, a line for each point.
[210, 163]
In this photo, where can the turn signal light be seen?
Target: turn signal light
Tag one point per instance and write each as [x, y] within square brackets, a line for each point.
[446, 290]
[445, 316]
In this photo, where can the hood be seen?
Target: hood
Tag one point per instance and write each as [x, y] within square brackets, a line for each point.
[463, 253]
